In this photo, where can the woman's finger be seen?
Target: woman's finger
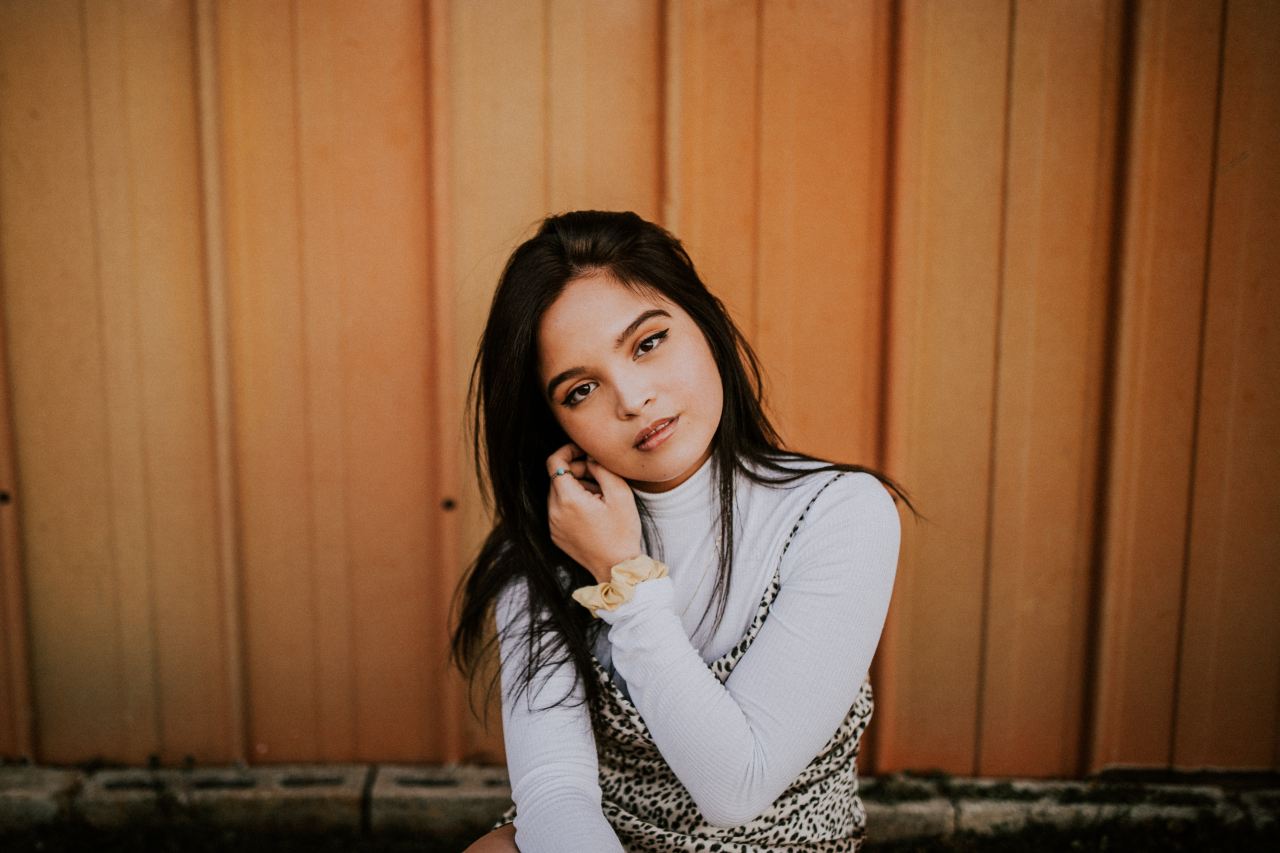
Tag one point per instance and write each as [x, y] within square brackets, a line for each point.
[610, 483]
[567, 457]
[572, 485]
[561, 458]
[577, 469]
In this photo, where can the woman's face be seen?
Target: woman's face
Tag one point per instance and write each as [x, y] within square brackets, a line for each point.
[631, 380]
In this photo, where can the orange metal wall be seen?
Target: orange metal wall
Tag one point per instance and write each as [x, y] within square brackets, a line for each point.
[1020, 255]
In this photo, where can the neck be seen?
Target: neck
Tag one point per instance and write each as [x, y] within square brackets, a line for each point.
[668, 485]
[695, 488]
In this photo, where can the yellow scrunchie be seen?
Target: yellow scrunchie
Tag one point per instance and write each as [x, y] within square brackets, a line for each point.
[621, 585]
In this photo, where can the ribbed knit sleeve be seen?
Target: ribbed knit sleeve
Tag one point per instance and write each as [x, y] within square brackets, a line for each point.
[551, 752]
[737, 746]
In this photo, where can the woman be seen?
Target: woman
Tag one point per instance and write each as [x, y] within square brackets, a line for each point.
[637, 486]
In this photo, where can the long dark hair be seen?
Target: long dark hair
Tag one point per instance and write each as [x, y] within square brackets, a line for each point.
[513, 432]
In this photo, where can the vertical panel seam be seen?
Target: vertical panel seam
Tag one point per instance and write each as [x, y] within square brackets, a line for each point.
[305, 384]
[353, 729]
[1180, 648]
[434, 394]
[15, 638]
[1090, 696]
[757, 173]
[230, 558]
[148, 520]
[442, 351]
[661, 113]
[993, 443]
[16, 635]
[890, 92]
[548, 162]
[887, 227]
[95, 225]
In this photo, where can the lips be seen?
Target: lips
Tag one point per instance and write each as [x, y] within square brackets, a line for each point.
[652, 428]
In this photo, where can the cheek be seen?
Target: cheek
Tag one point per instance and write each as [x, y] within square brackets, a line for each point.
[566, 424]
[587, 433]
[706, 382]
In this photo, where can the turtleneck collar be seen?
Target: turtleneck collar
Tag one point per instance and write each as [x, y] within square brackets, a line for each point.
[694, 494]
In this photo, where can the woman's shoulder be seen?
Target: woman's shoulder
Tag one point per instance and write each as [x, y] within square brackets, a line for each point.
[856, 495]
[798, 486]
[846, 516]
[794, 472]
[826, 495]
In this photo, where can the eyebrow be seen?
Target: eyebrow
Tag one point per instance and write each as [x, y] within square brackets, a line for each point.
[621, 339]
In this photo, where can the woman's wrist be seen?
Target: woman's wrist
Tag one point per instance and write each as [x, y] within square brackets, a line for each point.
[623, 578]
[602, 568]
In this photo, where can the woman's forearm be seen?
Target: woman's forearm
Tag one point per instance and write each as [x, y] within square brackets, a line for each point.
[736, 746]
[551, 752]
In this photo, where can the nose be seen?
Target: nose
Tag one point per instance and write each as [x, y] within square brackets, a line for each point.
[634, 394]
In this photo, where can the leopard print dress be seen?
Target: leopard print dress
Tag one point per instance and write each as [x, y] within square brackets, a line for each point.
[651, 811]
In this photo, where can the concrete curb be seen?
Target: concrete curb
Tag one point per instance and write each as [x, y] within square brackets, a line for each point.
[1263, 808]
[448, 802]
[281, 797]
[34, 796]
[907, 808]
[435, 800]
[909, 821]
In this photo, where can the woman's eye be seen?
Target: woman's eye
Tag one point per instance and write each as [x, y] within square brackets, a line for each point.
[573, 398]
[651, 343]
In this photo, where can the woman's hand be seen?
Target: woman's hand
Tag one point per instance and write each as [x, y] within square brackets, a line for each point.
[592, 512]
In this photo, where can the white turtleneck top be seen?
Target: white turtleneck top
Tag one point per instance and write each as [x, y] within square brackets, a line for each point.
[734, 746]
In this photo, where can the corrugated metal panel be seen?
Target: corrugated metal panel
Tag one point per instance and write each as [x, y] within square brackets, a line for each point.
[945, 297]
[1052, 335]
[1019, 255]
[109, 370]
[1167, 206]
[1229, 666]
[326, 201]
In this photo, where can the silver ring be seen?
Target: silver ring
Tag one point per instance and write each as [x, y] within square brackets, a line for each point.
[560, 471]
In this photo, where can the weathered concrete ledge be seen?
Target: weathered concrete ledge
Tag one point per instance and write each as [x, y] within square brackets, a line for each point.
[946, 805]
[437, 800]
[277, 798]
[31, 796]
[445, 802]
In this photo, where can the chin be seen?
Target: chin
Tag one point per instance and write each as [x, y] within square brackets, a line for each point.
[646, 474]
[666, 470]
